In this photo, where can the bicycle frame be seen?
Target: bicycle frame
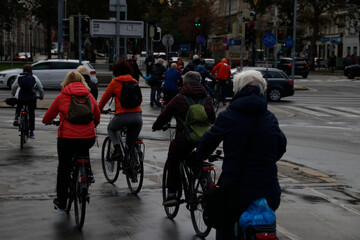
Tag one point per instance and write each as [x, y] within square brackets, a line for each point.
[24, 125]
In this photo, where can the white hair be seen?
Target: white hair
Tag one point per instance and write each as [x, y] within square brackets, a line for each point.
[195, 57]
[159, 60]
[173, 65]
[249, 77]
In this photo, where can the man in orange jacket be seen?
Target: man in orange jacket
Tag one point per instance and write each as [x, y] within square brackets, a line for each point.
[223, 74]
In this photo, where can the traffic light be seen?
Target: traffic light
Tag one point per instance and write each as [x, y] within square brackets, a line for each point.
[197, 22]
[85, 25]
[280, 34]
[66, 29]
[157, 34]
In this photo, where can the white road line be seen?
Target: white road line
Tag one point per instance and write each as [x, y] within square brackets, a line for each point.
[347, 109]
[306, 111]
[335, 112]
[287, 233]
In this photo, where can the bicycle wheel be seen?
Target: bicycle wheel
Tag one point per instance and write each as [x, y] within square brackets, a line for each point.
[111, 167]
[216, 98]
[135, 170]
[80, 199]
[23, 131]
[196, 208]
[172, 211]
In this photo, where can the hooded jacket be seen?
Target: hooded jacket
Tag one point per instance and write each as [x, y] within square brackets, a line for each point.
[61, 105]
[114, 89]
[178, 108]
[250, 165]
[222, 69]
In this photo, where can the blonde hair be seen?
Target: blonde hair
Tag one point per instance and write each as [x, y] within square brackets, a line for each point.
[74, 77]
[159, 60]
[249, 77]
[83, 70]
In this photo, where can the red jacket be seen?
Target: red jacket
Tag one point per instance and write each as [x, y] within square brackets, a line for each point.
[61, 105]
[222, 69]
[114, 89]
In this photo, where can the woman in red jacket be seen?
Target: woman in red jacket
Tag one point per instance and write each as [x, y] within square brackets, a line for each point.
[72, 138]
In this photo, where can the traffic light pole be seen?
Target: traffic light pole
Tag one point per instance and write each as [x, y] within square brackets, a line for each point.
[60, 29]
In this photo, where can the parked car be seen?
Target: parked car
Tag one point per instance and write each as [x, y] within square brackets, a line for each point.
[352, 71]
[143, 54]
[209, 63]
[301, 66]
[23, 56]
[323, 62]
[51, 72]
[279, 83]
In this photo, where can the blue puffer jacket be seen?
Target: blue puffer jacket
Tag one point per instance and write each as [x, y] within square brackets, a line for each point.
[250, 165]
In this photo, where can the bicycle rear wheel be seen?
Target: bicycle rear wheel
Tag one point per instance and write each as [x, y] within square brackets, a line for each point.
[216, 98]
[135, 170]
[197, 210]
[172, 211]
[24, 131]
[111, 167]
[80, 199]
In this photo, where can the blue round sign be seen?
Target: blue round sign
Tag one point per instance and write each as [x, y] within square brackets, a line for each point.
[289, 42]
[232, 41]
[201, 40]
[269, 39]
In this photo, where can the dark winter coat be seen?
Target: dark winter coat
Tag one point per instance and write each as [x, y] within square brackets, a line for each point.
[250, 165]
[92, 86]
[178, 108]
[157, 75]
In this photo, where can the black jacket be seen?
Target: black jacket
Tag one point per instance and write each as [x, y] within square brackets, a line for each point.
[92, 86]
[251, 166]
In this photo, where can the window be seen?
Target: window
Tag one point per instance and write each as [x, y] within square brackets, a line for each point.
[41, 66]
[271, 74]
[64, 65]
[355, 51]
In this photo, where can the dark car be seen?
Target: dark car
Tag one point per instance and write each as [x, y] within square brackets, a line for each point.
[352, 71]
[301, 66]
[279, 84]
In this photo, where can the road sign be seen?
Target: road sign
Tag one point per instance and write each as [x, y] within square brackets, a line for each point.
[107, 28]
[112, 5]
[201, 40]
[224, 40]
[269, 39]
[232, 41]
[167, 40]
[289, 42]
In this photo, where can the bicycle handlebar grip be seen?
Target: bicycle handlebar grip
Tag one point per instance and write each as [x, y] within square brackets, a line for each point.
[56, 122]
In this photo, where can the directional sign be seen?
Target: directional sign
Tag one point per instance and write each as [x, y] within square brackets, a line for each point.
[167, 40]
[232, 41]
[269, 39]
[289, 42]
[107, 28]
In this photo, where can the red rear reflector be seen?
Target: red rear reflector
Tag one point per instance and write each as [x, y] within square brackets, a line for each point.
[84, 179]
[93, 72]
[207, 168]
[23, 112]
[291, 83]
[266, 235]
[138, 143]
[289, 65]
[82, 160]
[212, 185]
[307, 65]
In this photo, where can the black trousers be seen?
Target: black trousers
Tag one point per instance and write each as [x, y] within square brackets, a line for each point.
[66, 148]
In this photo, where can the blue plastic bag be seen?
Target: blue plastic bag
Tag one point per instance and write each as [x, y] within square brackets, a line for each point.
[258, 213]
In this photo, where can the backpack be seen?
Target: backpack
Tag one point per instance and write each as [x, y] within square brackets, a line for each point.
[80, 110]
[131, 96]
[196, 120]
[26, 83]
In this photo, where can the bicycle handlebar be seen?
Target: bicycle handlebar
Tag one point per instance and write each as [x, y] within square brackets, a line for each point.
[109, 110]
[215, 157]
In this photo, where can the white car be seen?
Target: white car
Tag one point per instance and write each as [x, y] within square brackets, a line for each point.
[51, 72]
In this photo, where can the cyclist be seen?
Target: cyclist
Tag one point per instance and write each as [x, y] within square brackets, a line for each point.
[86, 74]
[72, 138]
[129, 117]
[204, 74]
[172, 80]
[223, 73]
[180, 147]
[191, 66]
[136, 70]
[252, 142]
[149, 62]
[158, 74]
[24, 88]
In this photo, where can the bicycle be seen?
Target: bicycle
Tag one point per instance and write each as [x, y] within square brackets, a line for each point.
[24, 125]
[130, 161]
[216, 95]
[79, 187]
[195, 180]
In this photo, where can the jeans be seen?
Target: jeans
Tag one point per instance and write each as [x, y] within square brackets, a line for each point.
[155, 89]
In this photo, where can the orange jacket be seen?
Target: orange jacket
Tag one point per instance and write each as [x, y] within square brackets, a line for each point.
[61, 105]
[114, 89]
[222, 69]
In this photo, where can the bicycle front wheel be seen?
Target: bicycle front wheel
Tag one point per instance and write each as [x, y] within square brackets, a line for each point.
[172, 211]
[197, 210]
[80, 199]
[135, 170]
[111, 167]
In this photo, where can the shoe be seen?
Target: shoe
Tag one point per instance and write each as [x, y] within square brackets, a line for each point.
[58, 206]
[170, 200]
[158, 104]
[31, 135]
[16, 121]
[151, 104]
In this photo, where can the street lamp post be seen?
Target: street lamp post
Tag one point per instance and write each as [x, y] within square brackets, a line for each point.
[30, 29]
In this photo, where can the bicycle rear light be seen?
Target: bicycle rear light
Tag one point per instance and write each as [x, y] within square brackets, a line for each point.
[83, 160]
[266, 235]
[83, 179]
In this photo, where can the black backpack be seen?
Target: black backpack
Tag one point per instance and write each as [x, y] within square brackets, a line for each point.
[26, 83]
[131, 96]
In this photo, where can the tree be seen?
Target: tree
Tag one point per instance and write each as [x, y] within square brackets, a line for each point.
[8, 13]
[46, 12]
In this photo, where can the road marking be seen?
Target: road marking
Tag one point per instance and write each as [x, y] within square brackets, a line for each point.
[287, 233]
[347, 109]
[334, 201]
[335, 112]
[307, 111]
